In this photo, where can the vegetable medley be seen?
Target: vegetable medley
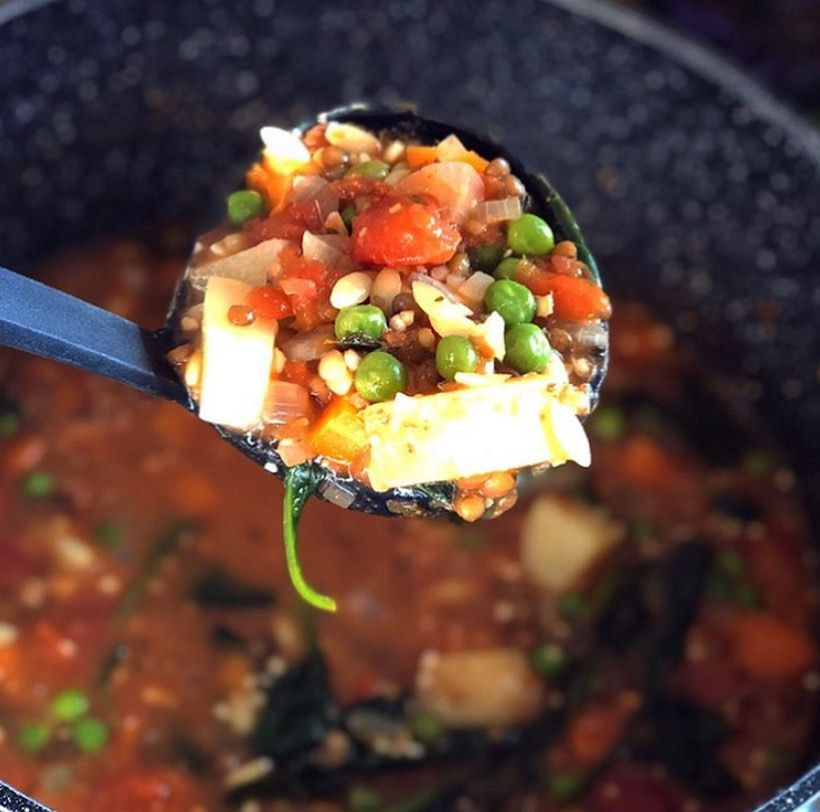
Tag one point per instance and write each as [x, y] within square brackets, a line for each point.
[639, 638]
[376, 305]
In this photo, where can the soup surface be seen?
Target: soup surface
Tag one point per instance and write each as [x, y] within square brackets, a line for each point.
[636, 638]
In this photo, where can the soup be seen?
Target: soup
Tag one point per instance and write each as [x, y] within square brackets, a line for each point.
[632, 637]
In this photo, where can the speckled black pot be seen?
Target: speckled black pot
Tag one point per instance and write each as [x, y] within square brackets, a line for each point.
[697, 191]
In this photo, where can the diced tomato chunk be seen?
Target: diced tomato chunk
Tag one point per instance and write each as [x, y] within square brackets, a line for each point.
[307, 284]
[289, 224]
[402, 232]
[574, 298]
[268, 302]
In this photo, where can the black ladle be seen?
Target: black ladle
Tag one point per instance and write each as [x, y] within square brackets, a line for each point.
[46, 322]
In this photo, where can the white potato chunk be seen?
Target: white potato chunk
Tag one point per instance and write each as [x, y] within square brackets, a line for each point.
[494, 687]
[562, 539]
[236, 360]
[478, 430]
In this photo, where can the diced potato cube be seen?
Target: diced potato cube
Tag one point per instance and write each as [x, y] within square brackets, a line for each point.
[236, 360]
[452, 435]
[561, 540]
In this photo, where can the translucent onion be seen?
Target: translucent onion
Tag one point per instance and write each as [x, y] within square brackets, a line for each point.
[284, 402]
[472, 291]
[329, 249]
[456, 186]
[294, 452]
[253, 266]
[314, 190]
[441, 287]
[496, 211]
[310, 345]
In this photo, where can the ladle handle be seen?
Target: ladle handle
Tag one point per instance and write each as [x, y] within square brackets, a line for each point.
[12, 800]
[47, 322]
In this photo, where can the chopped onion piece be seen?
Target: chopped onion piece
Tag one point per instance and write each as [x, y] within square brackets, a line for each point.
[544, 306]
[456, 186]
[351, 138]
[253, 266]
[314, 190]
[450, 149]
[294, 452]
[440, 286]
[496, 211]
[284, 150]
[472, 291]
[310, 345]
[329, 249]
[284, 402]
[448, 316]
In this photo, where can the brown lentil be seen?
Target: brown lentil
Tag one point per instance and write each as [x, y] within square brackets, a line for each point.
[497, 168]
[565, 248]
[470, 508]
[240, 315]
[498, 484]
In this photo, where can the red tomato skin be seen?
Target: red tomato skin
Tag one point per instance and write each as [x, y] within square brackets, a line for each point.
[402, 232]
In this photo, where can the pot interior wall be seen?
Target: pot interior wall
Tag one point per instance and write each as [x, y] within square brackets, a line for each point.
[701, 200]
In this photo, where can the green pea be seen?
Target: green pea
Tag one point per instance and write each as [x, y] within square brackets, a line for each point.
[243, 205]
[563, 787]
[38, 484]
[427, 728]
[455, 354]
[643, 529]
[90, 735]
[507, 268]
[380, 376]
[69, 705]
[377, 170]
[360, 321]
[527, 348]
[571, 605]
[485, 257]
[731, 563]
[758, 463]
[34, 736]
[362, 799]
[108, 534]
[347, 214]
[511, 300]
[778, 759]
[548, 659]
[747, 596]
[608, 423]
[9, 424]
[529, 235]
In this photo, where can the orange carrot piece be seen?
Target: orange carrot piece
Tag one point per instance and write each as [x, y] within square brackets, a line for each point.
[417, 157]
[274, 188]
[595, 731]
[475, 160]
[339, 433]
[769, 648]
